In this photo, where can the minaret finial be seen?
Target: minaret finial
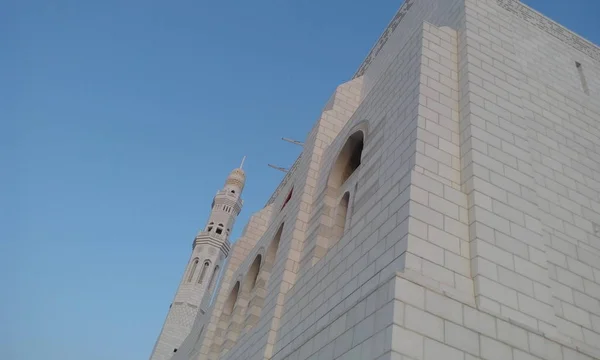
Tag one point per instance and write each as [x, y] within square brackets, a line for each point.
[242, 164]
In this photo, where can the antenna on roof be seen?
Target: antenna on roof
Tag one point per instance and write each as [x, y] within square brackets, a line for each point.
[295, 142]
[242, 164]
[278, 168]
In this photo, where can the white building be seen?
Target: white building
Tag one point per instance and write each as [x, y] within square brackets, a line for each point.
[446, 205]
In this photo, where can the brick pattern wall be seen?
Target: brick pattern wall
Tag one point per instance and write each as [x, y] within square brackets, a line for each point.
[177, 326]
[473, 230]
[543, 23]
[258, 343]
[186, 304]
[508, 257]
[438, 243]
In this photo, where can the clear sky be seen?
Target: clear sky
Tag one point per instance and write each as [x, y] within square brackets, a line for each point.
[118, 122]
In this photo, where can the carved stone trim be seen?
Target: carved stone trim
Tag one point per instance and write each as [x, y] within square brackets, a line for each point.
[543, 23]
[285, 180]
[514, 6]
[384, 37]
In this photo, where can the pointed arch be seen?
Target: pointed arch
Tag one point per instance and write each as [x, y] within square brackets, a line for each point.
[332, 222]
[259, 293]
[231, 299]
[287, 198]
[193, 269]
[214, 275]
[224, 323]
[339, 225]
[348, 160]
[204, 270]
[273, 247]
[252, 274]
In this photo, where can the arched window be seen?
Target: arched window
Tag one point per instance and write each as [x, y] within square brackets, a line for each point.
[231, 300]
[220, 229]
[348, 160]
[289, 196]
[274, 246]
[340, 217]
[192, 270]
[233, 191]
[253, 272]
[210, 226]
[203, 272]
[213, 277]
[263, 272]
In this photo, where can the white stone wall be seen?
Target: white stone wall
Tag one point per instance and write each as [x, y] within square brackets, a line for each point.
[535, 171]
[409, 18]
[474, 216]
[258, 341]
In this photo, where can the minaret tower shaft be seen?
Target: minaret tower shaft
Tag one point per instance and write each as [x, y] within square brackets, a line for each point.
[209, 251]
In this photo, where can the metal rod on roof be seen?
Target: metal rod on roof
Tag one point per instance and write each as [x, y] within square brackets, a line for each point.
[279, 168]
[295, 142]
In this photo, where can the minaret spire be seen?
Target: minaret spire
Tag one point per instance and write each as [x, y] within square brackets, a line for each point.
[209, 251]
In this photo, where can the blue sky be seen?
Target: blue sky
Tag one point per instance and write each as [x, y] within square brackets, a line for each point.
[118, 122]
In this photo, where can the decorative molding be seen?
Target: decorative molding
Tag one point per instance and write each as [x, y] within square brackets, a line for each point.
[217, 241]
[543, 23]
[384, 37]
[514, 6]
[285, 180]
[236, 182]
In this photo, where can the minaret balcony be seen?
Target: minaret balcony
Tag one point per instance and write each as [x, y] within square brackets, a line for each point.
[212, 234]
[216, 240]
[229, 195]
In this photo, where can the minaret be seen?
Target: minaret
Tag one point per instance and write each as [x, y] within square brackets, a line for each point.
[209, 251]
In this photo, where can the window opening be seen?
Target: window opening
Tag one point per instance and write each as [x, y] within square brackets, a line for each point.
[193, 270]
[274, 246]
[348, 160]
[289, 196]
[203, 273]
[231, 300]
[253, 272]
[213, 276]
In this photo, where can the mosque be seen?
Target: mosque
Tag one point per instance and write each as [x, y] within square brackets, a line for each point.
[446, 205]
